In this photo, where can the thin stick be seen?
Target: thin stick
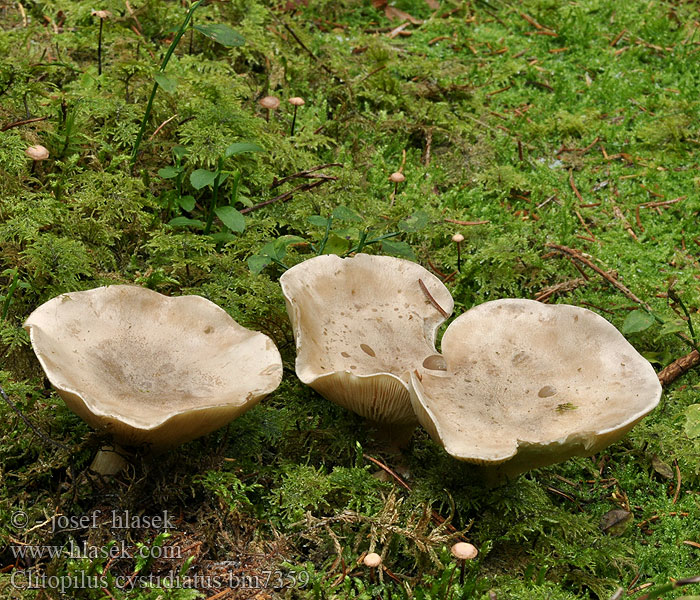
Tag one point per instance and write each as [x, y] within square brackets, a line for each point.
[467, 223]
[432, 300]
[679, 367]
[678, 479]
[287, 195]
[306, 173]
[609, 278]
[23, 122]
[163, 124]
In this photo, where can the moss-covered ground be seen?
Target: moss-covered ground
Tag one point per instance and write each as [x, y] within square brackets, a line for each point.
[547, 122]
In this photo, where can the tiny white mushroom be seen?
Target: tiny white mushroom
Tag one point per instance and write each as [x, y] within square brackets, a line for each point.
[361, 324]
[149, 369]
[528, 385]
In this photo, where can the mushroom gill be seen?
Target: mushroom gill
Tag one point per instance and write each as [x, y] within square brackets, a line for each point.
[361, 325]
[149, 369]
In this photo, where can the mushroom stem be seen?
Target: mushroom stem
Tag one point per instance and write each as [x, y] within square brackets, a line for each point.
[99, 49]
[294, 120]
[109, 460]
[392, 436]
[458, 238]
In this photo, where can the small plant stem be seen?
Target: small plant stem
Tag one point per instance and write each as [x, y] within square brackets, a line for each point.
[99, 49]
[169, 53]
[294, 120]
[459, 257]
[462, 567]
[10, 292]
[362, 243]
[324, 241]
[214, 198]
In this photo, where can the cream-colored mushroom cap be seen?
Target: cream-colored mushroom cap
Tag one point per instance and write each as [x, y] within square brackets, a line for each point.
[372, 560]
[297, 101]
[464, 551]
[397, 177]
[37, 152]
[270, 102]
[532, 384]
[457, 238]
[361, 325]
[150, 369]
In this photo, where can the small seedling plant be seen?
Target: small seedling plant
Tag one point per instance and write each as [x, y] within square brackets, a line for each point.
[201, 179]
[351, 237]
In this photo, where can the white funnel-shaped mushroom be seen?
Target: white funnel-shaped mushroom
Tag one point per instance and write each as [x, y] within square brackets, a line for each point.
[529, 384]
[361, 325]
[150, 369]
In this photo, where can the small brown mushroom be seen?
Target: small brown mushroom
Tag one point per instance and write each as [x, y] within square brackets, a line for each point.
[149, 369]
[528, 385]
[396, 178]
[372, 561]
[458, 238]
[463, 552]
[296, 102]
[361, 324]
[37, 152]
[269, 103]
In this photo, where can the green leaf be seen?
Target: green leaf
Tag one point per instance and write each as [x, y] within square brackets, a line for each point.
[417, 221]
[168, 172]
[230, 217]
[185, 222]
[201, 178]
[241, 147]
[343, 213]
[336, 245]
[179, 151]
[221, 33]
[636, 321]
[186, 203]
[318, 221]
[281, 243]
[692, 421]
[223, 236]
[671, 327]
[257, 263]
[398, 249]
[165, 82]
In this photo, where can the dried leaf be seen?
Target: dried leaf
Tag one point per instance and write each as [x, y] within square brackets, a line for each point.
[615, 522]
[394, 13]
[661, 467]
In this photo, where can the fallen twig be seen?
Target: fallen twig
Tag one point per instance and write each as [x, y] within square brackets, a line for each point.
[306, 174]
[432, 300]
[679, 367]
[288, 195]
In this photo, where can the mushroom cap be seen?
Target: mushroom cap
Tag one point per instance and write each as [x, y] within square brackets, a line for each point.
[297, 101]
[148, 368]
[269, 102]
[37, 152]
[361, 324]
[457, 238]
[397, 177]
[464, 551]
[532, 384]
[372, 560]
[101, 14]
